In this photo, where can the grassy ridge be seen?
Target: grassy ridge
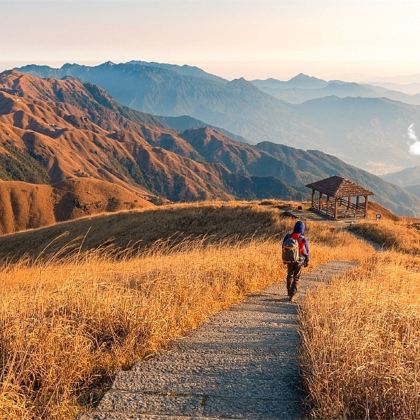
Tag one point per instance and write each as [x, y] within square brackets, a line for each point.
[361, 342]
[402, 236]
[138, 229]
[67, 324]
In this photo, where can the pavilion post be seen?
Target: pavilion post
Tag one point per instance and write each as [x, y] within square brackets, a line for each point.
[357, 206]
[313, 198]
[335, 208]
[320, 201]
[348, 202]
[366, 205]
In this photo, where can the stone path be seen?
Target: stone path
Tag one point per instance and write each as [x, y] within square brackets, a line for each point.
[241, 364]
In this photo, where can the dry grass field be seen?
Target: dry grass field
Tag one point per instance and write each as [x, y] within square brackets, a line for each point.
[403, 235]
[113, 288]
[138, 229]
[361, 341]
[68, 323]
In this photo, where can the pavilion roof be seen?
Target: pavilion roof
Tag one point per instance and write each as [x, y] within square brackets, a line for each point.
[337, 186]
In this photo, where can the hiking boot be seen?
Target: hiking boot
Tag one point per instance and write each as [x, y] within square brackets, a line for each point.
[293, 297]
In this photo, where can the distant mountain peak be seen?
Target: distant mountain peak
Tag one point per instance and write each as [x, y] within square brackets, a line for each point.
[239, 80]
[67, 65]
[242, 83]
[300, 81]
[302, 77]
[107, 64]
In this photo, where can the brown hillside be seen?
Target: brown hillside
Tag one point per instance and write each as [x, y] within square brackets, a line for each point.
[25, 206]
[69, 129]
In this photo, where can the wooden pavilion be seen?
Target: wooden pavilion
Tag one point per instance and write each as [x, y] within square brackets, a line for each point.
[339, 197]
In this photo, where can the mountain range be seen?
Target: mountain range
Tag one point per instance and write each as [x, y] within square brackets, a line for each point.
[364, 124]
[302, 88]
[92, 154]
[408, 178]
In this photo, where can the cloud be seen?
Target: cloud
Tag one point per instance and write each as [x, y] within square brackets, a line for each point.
[414, 147]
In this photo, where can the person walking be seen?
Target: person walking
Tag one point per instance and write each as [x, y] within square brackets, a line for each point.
[295, 254]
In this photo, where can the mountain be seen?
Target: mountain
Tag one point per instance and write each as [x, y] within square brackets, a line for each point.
[300, 81]
[52, 130]
[408, 178]
[72, 136]
[237, 106]
[25, 206]
[329, 123]
[293, 166]
[302, 88]
[184, 70]
[185, 122]
[370, 131]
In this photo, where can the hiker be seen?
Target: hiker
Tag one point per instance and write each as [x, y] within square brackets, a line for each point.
[295, 253]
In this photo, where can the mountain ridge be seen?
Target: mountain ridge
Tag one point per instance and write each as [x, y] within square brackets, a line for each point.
[302, 88]
[409, 177]
[65, 129]
[240, 107]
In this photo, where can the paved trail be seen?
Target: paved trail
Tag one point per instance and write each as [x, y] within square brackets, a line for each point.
[241, 364]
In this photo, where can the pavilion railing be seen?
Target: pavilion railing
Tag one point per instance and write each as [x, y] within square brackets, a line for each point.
[352, 208]
[344, 208]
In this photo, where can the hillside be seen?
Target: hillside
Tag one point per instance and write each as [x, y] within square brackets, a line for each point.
[92, 315]
[89, 316]
[374, 127]
[377, 125]
[163, 227]
[414, 189]
[185, 122]
[54, 131]
[26, 206]
[295, 167]
[166, 226]
[405, 178]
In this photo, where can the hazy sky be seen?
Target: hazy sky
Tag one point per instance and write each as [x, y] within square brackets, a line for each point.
[353, 39]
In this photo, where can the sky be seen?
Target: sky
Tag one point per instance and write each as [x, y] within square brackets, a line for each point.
[348, 39]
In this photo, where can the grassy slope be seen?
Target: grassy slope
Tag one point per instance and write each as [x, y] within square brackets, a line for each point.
[25, 206]
[211, 221]
[361, 335]
[68, 324]
[401, 236]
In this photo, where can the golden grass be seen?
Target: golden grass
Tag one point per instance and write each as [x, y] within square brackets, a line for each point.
[361, 342]
[68, 324]
[139, 229]
[65, 325]
[401, 236]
